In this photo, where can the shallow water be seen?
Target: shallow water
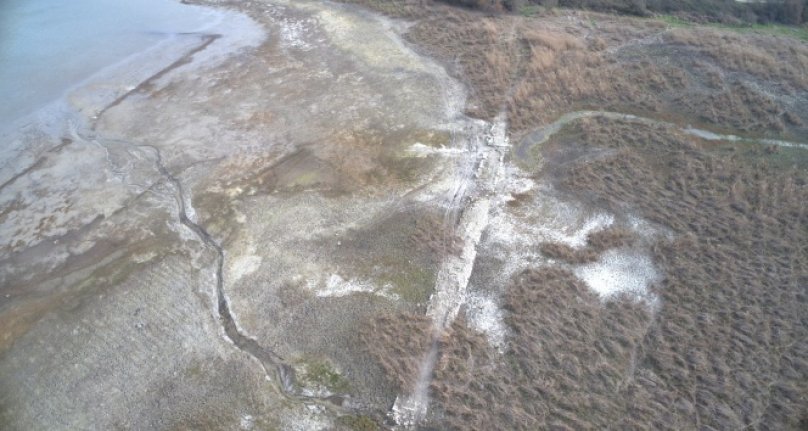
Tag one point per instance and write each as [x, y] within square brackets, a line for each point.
[49, 46]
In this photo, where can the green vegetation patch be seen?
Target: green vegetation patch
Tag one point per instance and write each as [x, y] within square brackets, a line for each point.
[796, 32]
[357, 423]
[780, 157]
[413, 285]
[392, 251]
[319, 372]
[531, 10]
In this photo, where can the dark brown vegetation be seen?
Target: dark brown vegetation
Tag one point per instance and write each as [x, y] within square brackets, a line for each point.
[597, 243]
[398, 342]
[725, 346]
[570, 363]
[568, 254]
[609, 238]
[793, 12]
[727, 11]
[732, 316]
[536, 69]
[431, 232]
[725, 349]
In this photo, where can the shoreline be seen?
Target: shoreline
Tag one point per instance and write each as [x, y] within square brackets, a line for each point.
[80, 105]
[233, 28]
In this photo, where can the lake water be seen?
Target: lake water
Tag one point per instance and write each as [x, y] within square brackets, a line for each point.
[49, 46]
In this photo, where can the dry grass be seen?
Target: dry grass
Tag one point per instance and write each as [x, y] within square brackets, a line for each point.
[731, 328]
[486, 54]
[769, 58]
[398, 342]
[741, 107]
[539, 68]
[726, 346]
[568, 366]
[609, 238]
[535, 69]
[431, 232]
[565, 253]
